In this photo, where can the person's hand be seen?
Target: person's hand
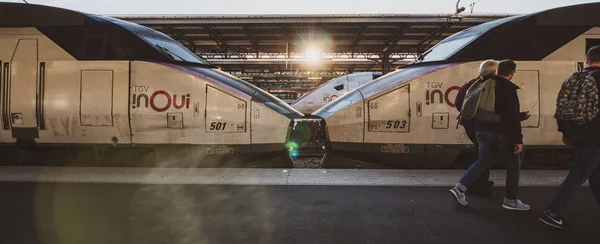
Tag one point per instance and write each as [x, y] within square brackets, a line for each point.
[518, 148]
[527, 115]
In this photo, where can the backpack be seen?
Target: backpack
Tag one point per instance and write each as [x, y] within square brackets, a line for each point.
[460, 97]
[577, 100]
[479, 102]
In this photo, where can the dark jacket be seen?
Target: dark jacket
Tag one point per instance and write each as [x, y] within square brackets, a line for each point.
[507, 106]
[588, 134]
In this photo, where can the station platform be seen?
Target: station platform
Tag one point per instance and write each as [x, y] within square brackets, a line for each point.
[136, 205]
[246, 176]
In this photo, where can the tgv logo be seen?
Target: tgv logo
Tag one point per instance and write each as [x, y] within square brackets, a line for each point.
[435, 94]
[159, 101]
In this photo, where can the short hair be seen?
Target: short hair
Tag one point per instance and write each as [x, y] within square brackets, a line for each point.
[505, 67]
[488, 67]
[593, 55]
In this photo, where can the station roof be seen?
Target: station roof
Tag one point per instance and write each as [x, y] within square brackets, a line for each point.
[347, 42]
[271, 51]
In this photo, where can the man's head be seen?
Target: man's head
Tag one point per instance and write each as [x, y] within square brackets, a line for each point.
[592, 58]
[488, 67]
[507, 69]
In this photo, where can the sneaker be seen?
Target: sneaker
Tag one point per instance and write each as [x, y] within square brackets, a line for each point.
[555, 220]
[459, 196]
[516, 205]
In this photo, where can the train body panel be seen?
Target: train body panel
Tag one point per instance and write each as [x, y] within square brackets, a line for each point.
[267, 126]
[86, 103]
[174, 107]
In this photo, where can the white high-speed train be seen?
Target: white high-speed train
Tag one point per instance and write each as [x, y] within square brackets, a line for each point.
[85, 88]
[407, 119]
[331, 90]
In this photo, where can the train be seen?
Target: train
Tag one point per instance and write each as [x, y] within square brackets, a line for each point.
[331, 90]
[288, 96]
[407, 118]
[80, 88]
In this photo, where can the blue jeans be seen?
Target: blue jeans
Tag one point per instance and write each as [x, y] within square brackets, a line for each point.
[494, 146]
[587, 165]
[482, 181]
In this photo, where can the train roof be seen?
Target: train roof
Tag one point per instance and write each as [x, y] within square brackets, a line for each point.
[525, 37]
[94, 37]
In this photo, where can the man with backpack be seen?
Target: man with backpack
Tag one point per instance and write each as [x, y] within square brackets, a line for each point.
[482, 186]
[577, 109]
[496, 113]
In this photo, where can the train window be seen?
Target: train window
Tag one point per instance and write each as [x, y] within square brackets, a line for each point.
[174, 50]
[339, 87]
[445, 49]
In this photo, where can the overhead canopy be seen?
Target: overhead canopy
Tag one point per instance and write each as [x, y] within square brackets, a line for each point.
[347, 42]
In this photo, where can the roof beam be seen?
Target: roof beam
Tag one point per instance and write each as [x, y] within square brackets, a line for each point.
[180, 37]
[252, 38]
[395, 38]
[359, 35]
[215, 37]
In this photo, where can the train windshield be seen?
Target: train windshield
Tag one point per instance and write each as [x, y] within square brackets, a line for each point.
[459, 41]
[446, 49]
[163, 43]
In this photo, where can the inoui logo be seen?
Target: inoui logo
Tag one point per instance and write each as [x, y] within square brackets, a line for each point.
[435, 94]
[159, 100]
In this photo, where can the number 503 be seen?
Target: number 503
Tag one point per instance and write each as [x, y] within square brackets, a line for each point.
[396, 124]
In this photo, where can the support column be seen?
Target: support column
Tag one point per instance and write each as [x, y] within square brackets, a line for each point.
[385, 64]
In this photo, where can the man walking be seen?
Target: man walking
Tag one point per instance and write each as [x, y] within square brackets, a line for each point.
[499, 140]
[482, 186]
[585, 137]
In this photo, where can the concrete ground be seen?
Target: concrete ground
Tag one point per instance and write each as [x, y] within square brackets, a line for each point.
[104, 205]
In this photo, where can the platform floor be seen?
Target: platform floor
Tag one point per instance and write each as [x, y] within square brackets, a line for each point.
[103, 205]
[233, 176]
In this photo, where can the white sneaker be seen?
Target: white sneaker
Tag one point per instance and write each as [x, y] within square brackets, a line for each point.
[459, 196]
[515, 205]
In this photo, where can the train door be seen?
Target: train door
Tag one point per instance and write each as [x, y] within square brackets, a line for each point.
[225, 113]
[390, 112]
[529, 95]
[22, 86]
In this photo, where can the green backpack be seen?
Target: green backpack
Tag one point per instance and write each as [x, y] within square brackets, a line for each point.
[479, 102]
